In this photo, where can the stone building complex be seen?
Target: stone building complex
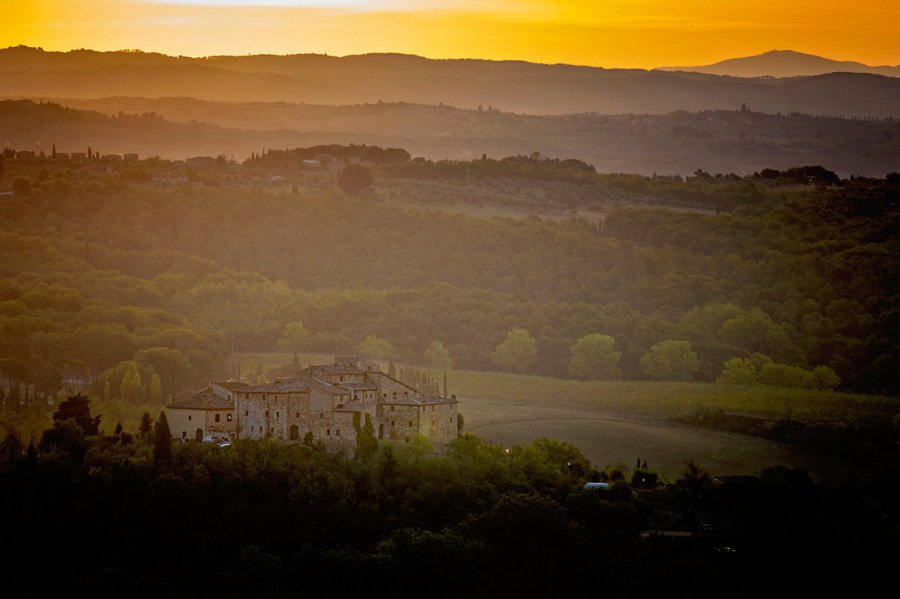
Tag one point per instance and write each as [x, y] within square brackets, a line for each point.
[328, 403]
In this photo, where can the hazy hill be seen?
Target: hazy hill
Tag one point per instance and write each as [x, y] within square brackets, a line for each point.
[678, 142]
[511, 86]
[786, 63]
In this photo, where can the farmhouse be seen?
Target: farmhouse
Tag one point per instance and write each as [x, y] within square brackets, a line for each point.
[324, 402]
[203, 415]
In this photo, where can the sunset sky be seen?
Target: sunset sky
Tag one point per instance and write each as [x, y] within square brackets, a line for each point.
[615, 33]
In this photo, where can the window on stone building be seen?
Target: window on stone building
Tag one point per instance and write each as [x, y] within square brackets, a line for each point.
[328, 431]
[277, 414]
[189, 416]
[392, 423]
[228, 417]
[337, 432]
[298, 414]
[392, 408]
[218, 417]
[184, 434]
[246, 412]
[410, 423]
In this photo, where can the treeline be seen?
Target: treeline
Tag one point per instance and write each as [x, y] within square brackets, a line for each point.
[98, 269]
[282, 159]
[131, 512]
[532, 167]
[721, 191]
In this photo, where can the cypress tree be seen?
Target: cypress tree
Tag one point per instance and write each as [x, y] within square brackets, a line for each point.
[162, 442]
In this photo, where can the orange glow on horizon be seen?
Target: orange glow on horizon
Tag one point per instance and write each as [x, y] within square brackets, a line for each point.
[615, 33]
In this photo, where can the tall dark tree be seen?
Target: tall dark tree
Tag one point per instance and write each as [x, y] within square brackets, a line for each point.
[78, 408]
[162, 440]
[366, 443]
[146, 424]
[354, 178]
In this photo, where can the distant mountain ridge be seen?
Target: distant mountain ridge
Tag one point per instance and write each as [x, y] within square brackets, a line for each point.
[786, 63]
[679, 142]
[511, 86]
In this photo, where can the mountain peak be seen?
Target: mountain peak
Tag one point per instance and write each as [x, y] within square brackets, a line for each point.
[785, 63]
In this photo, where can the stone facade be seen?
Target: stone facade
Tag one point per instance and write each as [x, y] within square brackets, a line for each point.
[205, 415]
[209, 413]
[329, 401]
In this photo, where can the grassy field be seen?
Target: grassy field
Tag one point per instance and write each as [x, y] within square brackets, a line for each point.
[615, 422]
[647, 398]
[666, 399]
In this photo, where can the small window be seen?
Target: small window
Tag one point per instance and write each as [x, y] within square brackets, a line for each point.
[184, 434]
[272, 430]
[218, 417]
[189, 416]
[228, 417]
[246, 412]
[328, 431]
[277, 414]
[338, 432]
[298, 414]
[322, 415]
[392, 423]
[392, 408]
[410, 423]
[267, 413]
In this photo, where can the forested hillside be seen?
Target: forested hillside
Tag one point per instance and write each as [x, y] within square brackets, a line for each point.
[103, 270]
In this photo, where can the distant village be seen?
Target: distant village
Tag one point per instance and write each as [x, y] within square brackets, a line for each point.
[328, 403]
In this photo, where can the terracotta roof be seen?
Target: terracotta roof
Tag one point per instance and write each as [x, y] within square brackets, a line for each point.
[419, 401]
[327, 387]
[357, 386]
[232, 385]
[338, 369]
[389, 377]
[292, 385]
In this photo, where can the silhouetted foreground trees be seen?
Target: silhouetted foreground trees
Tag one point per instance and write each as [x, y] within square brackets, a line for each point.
[268, 518]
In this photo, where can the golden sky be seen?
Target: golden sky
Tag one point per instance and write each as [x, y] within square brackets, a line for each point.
[615, 33]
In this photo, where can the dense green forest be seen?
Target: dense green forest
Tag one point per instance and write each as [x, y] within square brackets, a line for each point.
[135, 515]
[106, 274]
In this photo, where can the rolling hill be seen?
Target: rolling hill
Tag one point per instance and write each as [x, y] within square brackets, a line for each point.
[786, 63]
[511, 86]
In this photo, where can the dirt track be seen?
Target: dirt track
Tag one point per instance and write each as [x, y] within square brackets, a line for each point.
[609, 439]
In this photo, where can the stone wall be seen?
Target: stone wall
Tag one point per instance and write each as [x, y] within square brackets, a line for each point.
[184, 423]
